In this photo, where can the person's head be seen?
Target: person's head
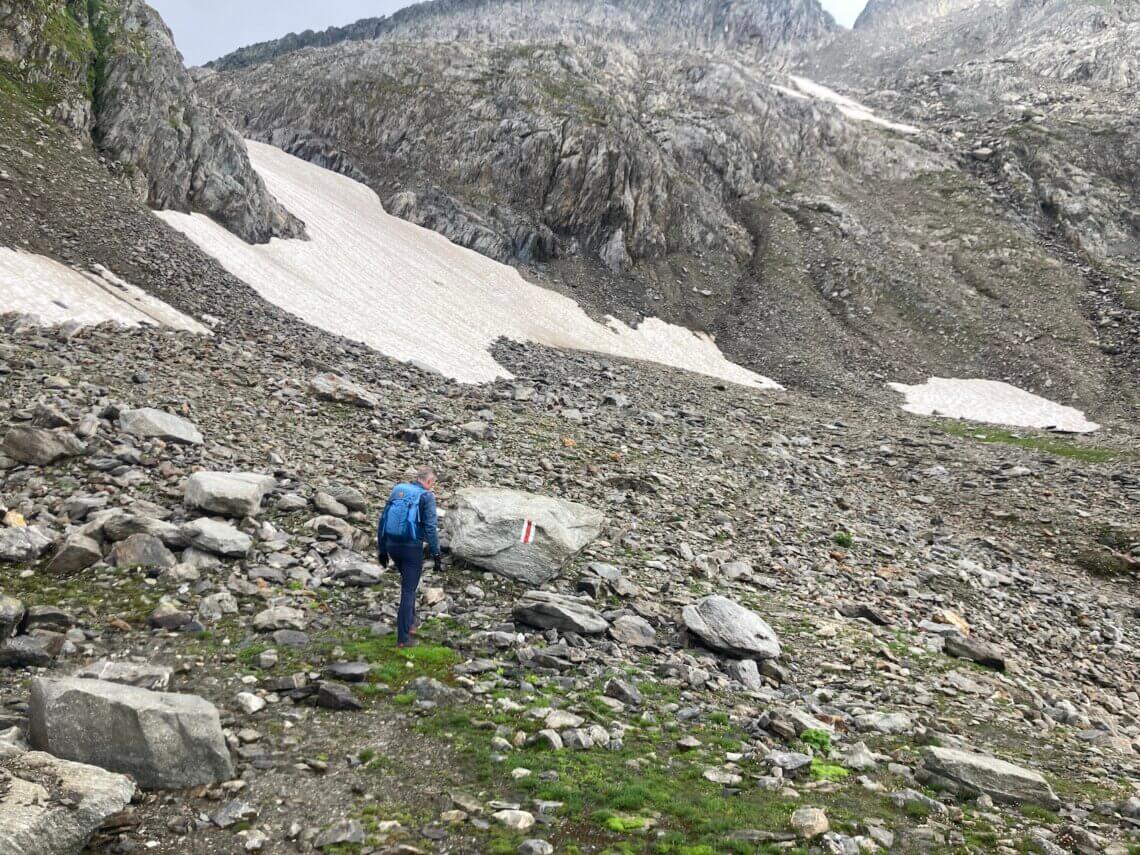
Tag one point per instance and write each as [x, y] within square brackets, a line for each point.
[426, 476]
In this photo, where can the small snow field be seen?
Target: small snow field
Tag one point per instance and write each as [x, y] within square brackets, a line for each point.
[991, 402]
[808, 90]
[54, 293]
[415, 296]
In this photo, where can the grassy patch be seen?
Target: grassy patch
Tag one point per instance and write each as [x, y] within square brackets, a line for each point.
[1045, 444]
[398, 666]
[822, 771]
[844, 539]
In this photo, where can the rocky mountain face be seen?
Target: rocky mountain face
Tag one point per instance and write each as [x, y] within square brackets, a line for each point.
[670, 175]
[758, 27]
[110, 71]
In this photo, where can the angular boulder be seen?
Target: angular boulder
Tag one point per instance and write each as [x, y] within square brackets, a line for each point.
[163, 741]
[40, 447]
[333, 387]
[973, 773]
[519, 535]
[33, 821]
[548, 610]
[728, 627]
[217, 538]
[148, 423]
[22, 544]
[142, 550]
[968, 647]
[142, 675]
[230, 494]
[77, 553]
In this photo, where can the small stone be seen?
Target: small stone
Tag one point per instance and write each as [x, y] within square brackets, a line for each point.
[516, 820]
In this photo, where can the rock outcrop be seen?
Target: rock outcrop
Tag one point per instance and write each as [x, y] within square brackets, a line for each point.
[115, 74]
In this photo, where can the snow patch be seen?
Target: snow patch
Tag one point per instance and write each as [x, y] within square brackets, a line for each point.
[414, 295]
[808, 89]
[990, 401]
[54, 293]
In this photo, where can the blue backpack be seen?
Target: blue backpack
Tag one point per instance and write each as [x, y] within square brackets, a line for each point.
[402, 522]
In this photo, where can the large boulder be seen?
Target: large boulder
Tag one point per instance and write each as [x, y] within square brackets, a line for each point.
[231, 494]
[148, 423]
[519, 535]
[972, 774]
[217, 538]
[26, 543]
[728, 627]
[35, 821]
[40, 447]
[548, 610]
[164, 741]
[333, 387]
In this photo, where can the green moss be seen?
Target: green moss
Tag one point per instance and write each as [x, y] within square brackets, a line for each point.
[819, 740]
[1045, 444]
[844, 539]
[821, 771]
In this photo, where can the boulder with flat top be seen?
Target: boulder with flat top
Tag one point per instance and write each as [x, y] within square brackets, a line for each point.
[522, 536]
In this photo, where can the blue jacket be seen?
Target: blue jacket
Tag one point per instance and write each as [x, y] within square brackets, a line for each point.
[429, 521]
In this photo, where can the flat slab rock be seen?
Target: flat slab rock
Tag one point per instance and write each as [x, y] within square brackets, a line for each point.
[231, 494]
[522, 536]
[548, 610]
[164, 741]
[32, 819]
[728, 627]
[978, 773]
[148, 423]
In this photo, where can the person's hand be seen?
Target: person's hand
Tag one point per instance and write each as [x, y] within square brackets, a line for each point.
[384, 559]
[436, 563]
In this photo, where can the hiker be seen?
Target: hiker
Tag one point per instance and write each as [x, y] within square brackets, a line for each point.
[409, 519]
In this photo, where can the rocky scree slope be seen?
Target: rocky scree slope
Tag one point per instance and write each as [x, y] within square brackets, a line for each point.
[109, 70]
[924, 588]
[680, 183]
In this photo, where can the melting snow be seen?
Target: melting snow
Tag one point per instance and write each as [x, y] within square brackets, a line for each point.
[55, 293]
[414, 295]
[992, 402]
[809, 90]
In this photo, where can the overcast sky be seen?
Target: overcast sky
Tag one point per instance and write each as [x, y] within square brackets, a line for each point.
[207, 29]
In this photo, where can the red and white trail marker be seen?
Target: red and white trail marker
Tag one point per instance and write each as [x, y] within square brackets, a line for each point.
[527, 533]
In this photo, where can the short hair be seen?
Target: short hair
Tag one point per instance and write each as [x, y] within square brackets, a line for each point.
[425, 473]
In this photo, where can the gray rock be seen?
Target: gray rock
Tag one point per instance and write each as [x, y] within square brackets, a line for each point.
[141, 675]
[279, 617]
[884, 722]
[230, 494]
[163, 741]
[40, 447]
[968, 647]
[350, 497]
[728, 627]
[333, 387]
[118, 526]
[535, 847]
[217, 538]
[34, 821]
[11, 615]
[634, 631]
[348, 831]
[548, 610]
[333, 696]
[624, 691]
[745, 672]
[22, 544]
[148, 423]
[77, 553]
[25, 651]
[142, 550]
[486, 528]
[977, 773]
[326, 504]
